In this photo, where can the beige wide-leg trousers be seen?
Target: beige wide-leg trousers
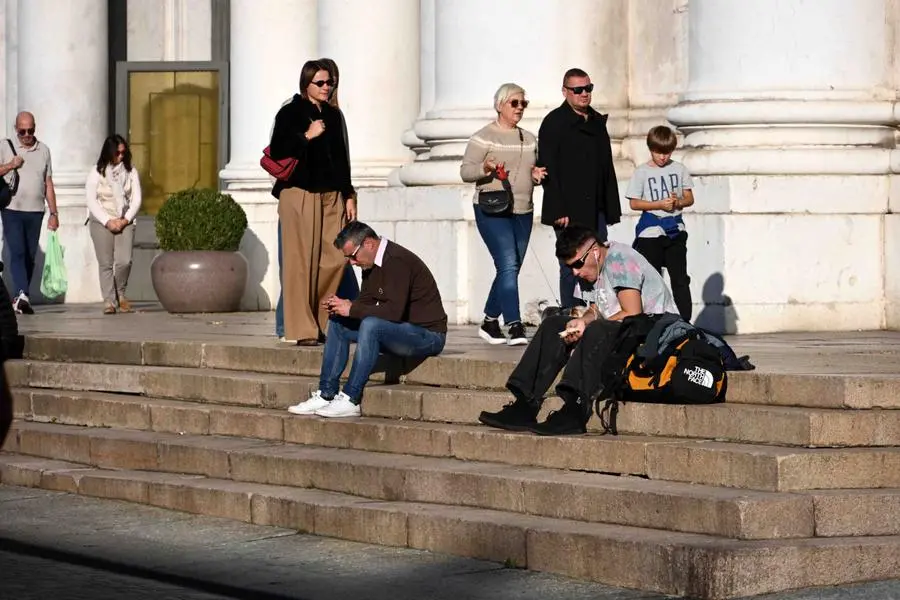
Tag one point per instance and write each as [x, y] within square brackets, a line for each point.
[312, 266]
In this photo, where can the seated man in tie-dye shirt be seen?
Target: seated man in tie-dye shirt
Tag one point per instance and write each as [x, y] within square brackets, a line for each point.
[616, 282]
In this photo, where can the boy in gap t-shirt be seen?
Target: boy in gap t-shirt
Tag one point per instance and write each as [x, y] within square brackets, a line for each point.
[661, 188]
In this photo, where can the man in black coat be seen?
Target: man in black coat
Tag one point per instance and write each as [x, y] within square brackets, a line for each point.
[580, 186]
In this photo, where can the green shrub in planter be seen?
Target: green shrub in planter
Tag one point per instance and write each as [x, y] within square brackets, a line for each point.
[200, 219]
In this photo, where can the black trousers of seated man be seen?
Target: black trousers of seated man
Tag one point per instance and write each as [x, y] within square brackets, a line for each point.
[547, 354]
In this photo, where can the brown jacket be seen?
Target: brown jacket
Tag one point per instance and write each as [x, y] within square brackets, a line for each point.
[401, 290]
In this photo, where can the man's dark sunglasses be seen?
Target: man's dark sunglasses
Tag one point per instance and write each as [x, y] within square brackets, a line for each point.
[29, 131]
[516, 103]
[577, 264]
[579, 89]
[322, 82]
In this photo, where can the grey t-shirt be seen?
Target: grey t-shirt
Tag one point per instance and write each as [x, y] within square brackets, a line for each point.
[653, 184]
[625, 268]
[33, 174]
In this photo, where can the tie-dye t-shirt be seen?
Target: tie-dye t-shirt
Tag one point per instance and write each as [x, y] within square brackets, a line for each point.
[624, 267]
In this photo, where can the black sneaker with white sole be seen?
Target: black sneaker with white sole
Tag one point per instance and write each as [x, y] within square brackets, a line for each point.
[517, 334]
[490, 332]
[22, 304]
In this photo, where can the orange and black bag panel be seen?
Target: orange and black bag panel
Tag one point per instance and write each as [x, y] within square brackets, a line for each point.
[689, 371]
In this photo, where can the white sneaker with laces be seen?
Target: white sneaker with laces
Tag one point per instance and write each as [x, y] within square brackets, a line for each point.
[341, 406]
[309, 407]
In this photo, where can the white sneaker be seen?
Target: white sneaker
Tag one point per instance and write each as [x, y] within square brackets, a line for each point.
[309, 407]
[341, 406]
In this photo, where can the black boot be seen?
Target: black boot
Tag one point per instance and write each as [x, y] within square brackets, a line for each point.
[568, 420]
[518, 415]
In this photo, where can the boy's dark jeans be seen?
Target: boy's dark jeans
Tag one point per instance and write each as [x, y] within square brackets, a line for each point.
[547, 354]
[670, 253]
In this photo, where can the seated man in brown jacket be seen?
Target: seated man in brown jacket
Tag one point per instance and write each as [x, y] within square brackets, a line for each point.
[398, 312]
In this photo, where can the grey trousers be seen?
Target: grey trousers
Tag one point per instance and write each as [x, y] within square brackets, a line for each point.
[113, 259]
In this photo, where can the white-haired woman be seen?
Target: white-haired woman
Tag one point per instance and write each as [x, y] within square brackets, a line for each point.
[499, 158]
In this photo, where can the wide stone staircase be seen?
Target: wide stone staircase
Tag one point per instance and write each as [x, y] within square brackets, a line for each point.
[794, 482]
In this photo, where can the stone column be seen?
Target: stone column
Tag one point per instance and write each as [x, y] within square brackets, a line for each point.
[376, 47]
[538, 44]
[62, 78]
[270, 41]
[790, 120]
[426, 78]
[657, 67]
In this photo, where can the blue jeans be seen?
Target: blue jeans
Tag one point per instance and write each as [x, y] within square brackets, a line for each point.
[567, 279]
[22, 231]
[373, 336]
[506, 239]
[347, 289]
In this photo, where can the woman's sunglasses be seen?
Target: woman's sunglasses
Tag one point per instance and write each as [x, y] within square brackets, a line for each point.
[577, 90]
[516, 103]
[322, 82]
[577, 264]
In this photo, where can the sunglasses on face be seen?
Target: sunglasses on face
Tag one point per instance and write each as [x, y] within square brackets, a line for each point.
[577, 264]
[579, 89]
[323, 82]
[352, 256]
[517, 103]
[24, 132]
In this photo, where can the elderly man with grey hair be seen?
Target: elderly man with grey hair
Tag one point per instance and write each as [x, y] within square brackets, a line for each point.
[28, 170]
[398, 312]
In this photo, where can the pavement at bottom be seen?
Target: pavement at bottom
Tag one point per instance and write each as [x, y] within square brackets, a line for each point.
[67, 547]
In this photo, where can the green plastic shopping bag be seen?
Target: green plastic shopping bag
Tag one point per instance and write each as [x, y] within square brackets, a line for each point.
[54, 281]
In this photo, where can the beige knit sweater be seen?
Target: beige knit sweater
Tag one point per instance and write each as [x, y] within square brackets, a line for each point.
[503, 146]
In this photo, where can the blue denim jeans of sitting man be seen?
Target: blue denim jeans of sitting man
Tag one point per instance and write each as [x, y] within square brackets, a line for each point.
[22, 232]
[347, 289]
[506, 239]
[373, 336]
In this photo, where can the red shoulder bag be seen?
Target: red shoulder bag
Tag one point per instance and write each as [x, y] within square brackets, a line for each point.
[279, 169]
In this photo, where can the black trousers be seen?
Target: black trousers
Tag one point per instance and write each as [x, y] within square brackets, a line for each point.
[547, 354]
[670, 253]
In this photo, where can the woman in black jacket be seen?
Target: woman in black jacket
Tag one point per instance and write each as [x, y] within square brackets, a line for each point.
[314, 204]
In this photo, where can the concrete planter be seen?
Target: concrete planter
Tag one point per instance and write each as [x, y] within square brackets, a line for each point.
[199, 282]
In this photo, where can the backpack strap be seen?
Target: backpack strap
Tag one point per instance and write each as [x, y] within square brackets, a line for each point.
[614, 371]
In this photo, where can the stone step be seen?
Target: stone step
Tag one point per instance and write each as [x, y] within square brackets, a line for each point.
[754, 387]
[788, 426]
[719, 464]
[198, 384]
[625, 500]
[752, 423]
[593, 497]
[680, 564]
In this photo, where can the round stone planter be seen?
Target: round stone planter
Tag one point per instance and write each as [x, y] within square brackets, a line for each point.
[199, 282]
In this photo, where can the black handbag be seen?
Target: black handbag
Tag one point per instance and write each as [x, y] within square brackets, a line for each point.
[496, 204]
[499, 203]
